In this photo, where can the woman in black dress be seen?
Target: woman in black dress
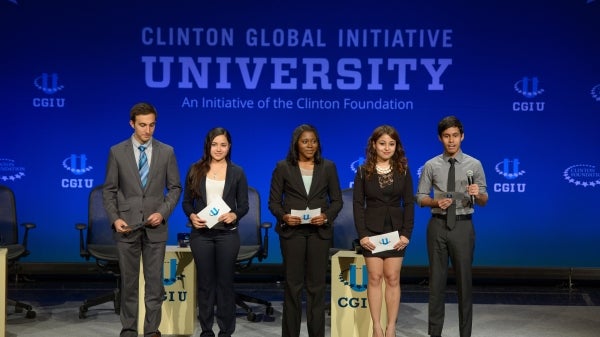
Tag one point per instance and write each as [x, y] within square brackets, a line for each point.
[383, 202]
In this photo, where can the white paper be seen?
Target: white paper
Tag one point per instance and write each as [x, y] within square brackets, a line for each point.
[213, 211]
[306, 215]
[385, 241]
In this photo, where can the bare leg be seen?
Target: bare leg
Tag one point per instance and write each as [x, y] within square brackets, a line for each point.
[374, 292]
[391, 274]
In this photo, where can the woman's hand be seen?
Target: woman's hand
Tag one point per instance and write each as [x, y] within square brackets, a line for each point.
[367, 244]
[197, 222]
[319, 220]
[291, 220]
[402, 243]
[228, 217]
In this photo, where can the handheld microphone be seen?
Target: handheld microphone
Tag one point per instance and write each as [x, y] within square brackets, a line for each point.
[470, 182]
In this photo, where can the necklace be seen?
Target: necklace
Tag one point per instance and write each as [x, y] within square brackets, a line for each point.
[384, 175]
[382, 170]
[217, 170]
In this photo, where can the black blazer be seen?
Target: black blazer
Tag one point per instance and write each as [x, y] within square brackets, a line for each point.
[288, 192]
[235, 195]
[371, 206]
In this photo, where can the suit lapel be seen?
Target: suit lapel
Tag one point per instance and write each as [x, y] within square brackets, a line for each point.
[156, 157]
[315, 180]
[131, 162]
[203, 190]
[228, 180]
[296, 179]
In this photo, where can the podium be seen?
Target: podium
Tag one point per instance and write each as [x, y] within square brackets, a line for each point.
[179, 305]
[3, 252]
[350, 316]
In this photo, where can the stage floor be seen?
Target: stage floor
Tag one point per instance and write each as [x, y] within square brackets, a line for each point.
[502, 309]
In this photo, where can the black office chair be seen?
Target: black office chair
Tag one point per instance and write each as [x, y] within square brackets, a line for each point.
[9, 239]
[100, 245]
[344, 231]
[252, 246]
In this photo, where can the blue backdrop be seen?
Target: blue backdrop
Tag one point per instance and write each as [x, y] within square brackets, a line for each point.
[523, 76]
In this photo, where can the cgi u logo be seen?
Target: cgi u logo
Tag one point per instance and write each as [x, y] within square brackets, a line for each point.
[76, 164]
[173, 296]
[213, 211]
[305, 217]
[509, 171]
[173, 273]
[48, 83]
[353, 274]
[528, 87]
[384, 241]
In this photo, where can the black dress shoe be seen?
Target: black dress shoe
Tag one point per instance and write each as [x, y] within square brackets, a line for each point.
[156, 334]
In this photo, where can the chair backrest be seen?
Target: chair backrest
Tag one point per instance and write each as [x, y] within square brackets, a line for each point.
[9, 234]
[344, 231]
[99, 231]
[249, 228]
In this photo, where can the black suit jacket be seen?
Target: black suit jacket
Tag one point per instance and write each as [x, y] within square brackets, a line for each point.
[288, 192]
[235, 195]
[371, 206]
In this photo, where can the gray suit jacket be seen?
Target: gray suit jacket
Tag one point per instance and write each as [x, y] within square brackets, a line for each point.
[124, 197]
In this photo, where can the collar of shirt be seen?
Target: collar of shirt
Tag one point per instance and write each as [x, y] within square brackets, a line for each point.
[137, 144]
[136, 150]
[459, 157]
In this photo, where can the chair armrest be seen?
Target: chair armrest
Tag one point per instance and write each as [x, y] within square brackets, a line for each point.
[265, 241]
[82, 249]
[28, 226]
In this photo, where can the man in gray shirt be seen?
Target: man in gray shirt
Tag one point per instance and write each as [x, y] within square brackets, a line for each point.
[450, 232]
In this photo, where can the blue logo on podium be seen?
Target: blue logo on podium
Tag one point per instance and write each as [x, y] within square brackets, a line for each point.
[352, 277]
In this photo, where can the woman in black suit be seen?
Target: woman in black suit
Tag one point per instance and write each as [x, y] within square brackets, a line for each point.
[215, 249]
[305, 181]
[383, 202]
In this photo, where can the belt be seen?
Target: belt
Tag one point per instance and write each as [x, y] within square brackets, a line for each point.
[459, 217]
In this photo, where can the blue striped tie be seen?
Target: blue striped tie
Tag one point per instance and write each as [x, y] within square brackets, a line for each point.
[143, 165]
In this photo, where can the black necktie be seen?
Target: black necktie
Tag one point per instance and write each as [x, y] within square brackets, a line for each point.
[451, 211]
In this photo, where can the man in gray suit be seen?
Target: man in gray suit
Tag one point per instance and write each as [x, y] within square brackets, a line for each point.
[141, 188]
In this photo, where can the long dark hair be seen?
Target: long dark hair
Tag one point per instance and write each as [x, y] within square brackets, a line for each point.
[200, 168]
[293, 155]
[398, 162]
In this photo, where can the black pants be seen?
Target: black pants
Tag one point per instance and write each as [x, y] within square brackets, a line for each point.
[456, 246]
[305, 260]
[215, 253]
